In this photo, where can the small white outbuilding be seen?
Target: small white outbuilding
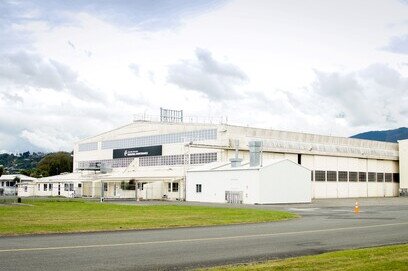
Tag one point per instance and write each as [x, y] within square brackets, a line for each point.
[276, 181]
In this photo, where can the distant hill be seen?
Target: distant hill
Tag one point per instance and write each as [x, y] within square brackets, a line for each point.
[14, 163]
[387, 136]
[36, 164]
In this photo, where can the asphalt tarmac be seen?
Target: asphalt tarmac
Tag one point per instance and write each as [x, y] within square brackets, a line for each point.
[325, 225]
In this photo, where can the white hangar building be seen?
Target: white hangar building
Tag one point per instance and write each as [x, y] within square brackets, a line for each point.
[149, 159]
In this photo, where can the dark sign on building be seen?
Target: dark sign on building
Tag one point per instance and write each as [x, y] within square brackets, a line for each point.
[137, 152]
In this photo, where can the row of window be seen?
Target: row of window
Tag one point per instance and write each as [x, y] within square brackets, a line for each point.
[110, 163]
[46, 187]
[165, 160]
[172, 187]
[353, 176]
[92, 146]
[49, 186]
[298, 145]
[179, 159]
[128, 185]
[8, 183]
[198, 135]
[203, 158]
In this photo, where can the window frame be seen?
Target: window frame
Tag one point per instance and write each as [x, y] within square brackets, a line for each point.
[389, 179]
[199, 188]
[395, 178]
[370, 176]
[319, 174]
[341, 175]
[175, 187]
[362, 177]
[355, 176]
[330, 179]
[381, 179]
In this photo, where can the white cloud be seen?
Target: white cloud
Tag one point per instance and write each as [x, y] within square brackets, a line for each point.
[31, 70]
[134, 68]
[49, 140]
[314, 67]
[12, 97]
[372, 97]
[207, 75]
[398, 45]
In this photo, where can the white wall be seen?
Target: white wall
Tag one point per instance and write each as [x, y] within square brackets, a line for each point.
[21, 191]
[352, 189]
[403, 166]
[37, 189]
[285, 182]
[152, 190]
[215, 183]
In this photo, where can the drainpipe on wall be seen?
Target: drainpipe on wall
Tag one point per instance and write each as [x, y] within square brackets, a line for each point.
[102, 191]
[136, 189]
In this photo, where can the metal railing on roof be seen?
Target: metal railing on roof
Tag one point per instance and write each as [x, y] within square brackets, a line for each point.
[186, 119]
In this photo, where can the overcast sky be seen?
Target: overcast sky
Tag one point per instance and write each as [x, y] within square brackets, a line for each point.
[72, 69]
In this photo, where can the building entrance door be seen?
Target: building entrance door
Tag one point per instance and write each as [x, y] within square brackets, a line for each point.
[59, 189]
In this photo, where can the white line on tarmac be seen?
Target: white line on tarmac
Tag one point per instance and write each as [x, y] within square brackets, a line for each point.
[303, 209]
[199, 239]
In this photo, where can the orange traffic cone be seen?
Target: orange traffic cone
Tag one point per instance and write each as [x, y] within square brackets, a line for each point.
[356, 208]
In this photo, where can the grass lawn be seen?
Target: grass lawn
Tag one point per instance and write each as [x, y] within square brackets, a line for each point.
[53, 216]
[379, 259]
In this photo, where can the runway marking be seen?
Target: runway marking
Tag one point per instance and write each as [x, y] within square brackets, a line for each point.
[303, 209]
[199, 239]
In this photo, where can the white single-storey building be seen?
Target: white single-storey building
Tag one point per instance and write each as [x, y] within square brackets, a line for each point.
[9, 183]
[276, 181]
[65, 185]
[150, 183]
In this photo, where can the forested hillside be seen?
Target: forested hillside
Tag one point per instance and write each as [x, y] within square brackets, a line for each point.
[14, 163]
[387, 135]
[36, 164]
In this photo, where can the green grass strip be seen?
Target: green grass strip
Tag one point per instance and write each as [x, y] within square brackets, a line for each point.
[385, 258]
[59, 216]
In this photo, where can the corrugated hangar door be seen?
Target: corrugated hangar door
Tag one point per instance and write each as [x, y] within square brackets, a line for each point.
[351, 185]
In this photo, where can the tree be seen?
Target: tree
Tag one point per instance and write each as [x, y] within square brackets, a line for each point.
[36, 173]
[131, 185]
[16, 180]
[1, 170]
[55, 164]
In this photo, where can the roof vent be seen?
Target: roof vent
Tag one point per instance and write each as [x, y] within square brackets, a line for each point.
[255, 153]
[236, 162]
